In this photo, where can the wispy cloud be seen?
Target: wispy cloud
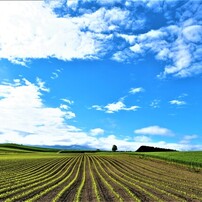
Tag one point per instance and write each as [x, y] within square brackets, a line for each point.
[177, 102]
[155, 103]
[154, 130]
[188, 138]
[136, 90]
[41, 84]
[70, 102]
[54, 75]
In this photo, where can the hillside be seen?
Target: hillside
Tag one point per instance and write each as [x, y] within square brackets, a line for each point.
[17, 148]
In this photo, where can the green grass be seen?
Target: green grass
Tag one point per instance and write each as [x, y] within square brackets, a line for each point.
[192, 158]
[17, 148]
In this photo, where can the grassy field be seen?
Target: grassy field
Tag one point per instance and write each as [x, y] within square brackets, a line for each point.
[16, 148]
[106, 176]
[191, 158]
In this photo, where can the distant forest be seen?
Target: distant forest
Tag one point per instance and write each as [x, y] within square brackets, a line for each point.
[152, 149]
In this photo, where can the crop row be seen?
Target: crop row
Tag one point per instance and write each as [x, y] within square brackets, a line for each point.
[47, 179]
[148, 187]
[160, 179]
[88, 177]
[29, 174]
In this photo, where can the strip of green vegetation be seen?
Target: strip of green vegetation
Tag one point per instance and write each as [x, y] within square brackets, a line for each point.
[192, 158]
[23, 148]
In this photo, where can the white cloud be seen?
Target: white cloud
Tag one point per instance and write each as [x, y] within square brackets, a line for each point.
[70, 115]
[178, 45]
[155, 103]
[128, 38]
[54, 75]
[136, 48]
[193, 33]
[107, 2]
[115, 107]
[29, 29]
[97, 131]
[136, 90]
[41, 85]
[154, 130]
[72, 4]
[97, 107]
[103, 20]
[142, 139]
[177, 102]
[70, 102]
[119, 105]
[54, 3]
[152, 35]
[62, 106]
[24, 116]
[26, 120]
[188, 138]
[125, 145]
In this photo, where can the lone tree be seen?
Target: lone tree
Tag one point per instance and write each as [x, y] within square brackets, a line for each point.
[114, 148]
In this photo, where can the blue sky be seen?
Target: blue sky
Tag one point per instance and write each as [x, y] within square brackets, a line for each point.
[98, 73]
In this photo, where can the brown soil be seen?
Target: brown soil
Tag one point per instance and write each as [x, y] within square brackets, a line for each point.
[174, 192]
[52, 194]
[88, 194]
[143, 177]
[104, 192]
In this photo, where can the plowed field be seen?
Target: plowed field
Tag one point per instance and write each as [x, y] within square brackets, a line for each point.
[89, 177]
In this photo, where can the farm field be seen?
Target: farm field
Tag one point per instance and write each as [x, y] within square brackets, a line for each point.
[192, 158]
[95, 177]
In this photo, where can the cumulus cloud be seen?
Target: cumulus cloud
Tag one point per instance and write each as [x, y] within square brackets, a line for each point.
[72, 4]
[24, 116]
[125, 145]
[31, 30]
[119, 105]
[154, 130]
[34, 29]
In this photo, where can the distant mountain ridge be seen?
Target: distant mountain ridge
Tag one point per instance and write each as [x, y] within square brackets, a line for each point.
[43, 148]
[70, 147]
